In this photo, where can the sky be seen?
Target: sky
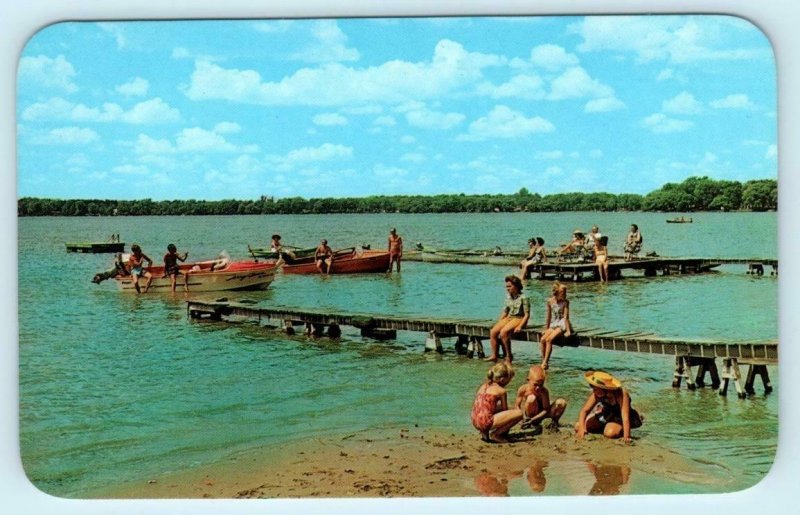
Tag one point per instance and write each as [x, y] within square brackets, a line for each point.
[392, 106]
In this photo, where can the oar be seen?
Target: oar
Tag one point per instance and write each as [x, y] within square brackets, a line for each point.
[252, 253]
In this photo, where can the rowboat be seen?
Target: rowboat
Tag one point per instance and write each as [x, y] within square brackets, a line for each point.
[269, 254]
[680, 220]
[346, 261]
[213, 275]
[95, 247]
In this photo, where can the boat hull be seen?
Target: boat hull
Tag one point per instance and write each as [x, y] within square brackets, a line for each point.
[95, 248]
[266, 253]
[238, 275]
[366, 262]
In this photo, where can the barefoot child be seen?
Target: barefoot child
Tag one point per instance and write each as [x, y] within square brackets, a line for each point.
[514, 317]
[608, 410]
[533, 399]
[556, 321]
[490, 413]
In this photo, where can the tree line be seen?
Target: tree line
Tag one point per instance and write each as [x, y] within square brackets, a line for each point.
[693, 194]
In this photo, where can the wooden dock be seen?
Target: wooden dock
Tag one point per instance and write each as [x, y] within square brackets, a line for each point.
[574, 270]
[470, 333]
[95, 248]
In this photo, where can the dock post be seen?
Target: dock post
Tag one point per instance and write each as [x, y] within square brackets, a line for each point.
[730, 371]
[755, 369]
[462, 344]
[433, 342]
[707, 365]
[475, 345]
[334, 331]
[683, 370]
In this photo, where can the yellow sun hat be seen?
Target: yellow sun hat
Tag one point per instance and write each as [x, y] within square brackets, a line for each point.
[604, 380]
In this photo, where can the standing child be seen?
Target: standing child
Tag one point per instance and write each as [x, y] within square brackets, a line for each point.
[533, 398]
[395, 244]
[556, 321]
[490, 413]
[171, 267]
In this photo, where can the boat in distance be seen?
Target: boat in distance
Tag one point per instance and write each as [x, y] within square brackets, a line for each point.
[679, 220]
[201, 276]
[268, 253]
[95, 247]
[346, 261]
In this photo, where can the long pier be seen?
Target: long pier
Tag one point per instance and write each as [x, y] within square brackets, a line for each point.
[470, 333]
[579, 270]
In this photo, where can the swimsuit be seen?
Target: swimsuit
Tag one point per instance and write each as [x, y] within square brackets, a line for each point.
[557, 315]
[483, 411]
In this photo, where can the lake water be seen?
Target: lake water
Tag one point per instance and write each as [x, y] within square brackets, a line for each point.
[115, 387]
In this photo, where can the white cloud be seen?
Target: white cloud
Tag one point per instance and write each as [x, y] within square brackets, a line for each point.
[675, 39]
[181, 53]
[596, 153]
[576, 83]
[408, 140]
[305, 155]
[413, 157]
[388, 172]
[529, 86]
[385, 121]
[552, 154]
[44, 71]
[148, 112]
[273, 26]
[661, 124]
[604, 105]
[683, 103]
[329, 119]
[330, 45]
[196, 139]
[130, 170]
[115, 29]
[451, 69]
[67, 136]
[227, 128]
[772, 152]
[552, 57]
[665, 74]
[136, 87]
[503, 122]
[739, 101]
[428, 119]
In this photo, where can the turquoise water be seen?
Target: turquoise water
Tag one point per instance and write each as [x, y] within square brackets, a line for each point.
[115, 387]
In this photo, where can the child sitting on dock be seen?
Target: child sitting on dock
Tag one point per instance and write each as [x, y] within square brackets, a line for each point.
[514, 317]
[490, 413]
[608, 410]
[556, 321]
[533, 399]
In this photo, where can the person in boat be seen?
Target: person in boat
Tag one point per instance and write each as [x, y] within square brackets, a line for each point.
[323, 257]
[536, 255]
[633, 242]
[607, 410]
[171, 267]
[276, 246]
[533, 398]
[490, 413]
[556, 323]
[601, 258]
[137, 269]
[514, 317]
[576, 246]
[395, 245]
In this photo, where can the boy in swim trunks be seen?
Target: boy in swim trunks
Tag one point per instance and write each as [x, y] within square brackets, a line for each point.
[171, 267]
[533, 399]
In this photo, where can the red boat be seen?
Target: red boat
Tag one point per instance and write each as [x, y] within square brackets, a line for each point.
[348, 261]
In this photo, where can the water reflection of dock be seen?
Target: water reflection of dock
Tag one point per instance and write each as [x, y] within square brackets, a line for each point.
[469, 335]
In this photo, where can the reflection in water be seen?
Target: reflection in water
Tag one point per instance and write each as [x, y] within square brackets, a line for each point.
[608, 478]
[536, 477]
[496, 483]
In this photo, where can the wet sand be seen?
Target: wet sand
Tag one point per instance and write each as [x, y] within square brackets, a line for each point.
[416, 462]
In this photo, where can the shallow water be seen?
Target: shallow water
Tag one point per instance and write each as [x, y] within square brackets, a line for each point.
[115, 387]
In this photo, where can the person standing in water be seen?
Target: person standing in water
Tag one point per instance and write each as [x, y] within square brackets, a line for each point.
[395, 244]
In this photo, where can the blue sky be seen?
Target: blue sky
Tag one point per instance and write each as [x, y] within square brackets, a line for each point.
[356, 107]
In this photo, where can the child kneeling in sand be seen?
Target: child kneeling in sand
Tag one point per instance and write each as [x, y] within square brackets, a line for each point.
[608, 409]
[533, 399]
[490, 413]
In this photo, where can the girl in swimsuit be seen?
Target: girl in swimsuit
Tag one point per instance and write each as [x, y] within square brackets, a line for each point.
[514, 317]
[490, 413]
[556, 321]
[607, 410]
[601, 257]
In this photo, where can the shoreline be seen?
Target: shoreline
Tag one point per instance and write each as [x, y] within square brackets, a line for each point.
[417, 462]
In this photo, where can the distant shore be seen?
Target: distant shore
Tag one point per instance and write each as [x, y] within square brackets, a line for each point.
[415, 462]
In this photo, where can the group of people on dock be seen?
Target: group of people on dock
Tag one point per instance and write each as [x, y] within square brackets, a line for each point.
[585, 248]
[607, 409]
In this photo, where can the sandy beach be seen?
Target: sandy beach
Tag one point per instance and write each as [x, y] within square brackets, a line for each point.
[415, 462]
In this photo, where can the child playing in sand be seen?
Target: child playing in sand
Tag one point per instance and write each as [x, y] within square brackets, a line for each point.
[533, 399]
[608, 410]
[490, 413]
[556, 321]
